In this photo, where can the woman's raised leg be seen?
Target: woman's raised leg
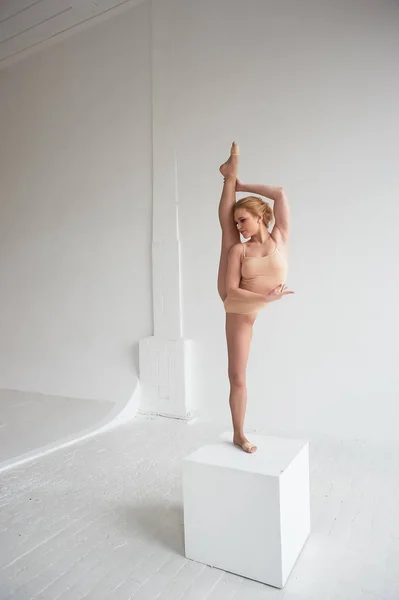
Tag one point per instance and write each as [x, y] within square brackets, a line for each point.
[239, 336]
[230, 235]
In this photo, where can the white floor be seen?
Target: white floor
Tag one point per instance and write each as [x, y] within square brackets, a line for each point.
[104, 520]
[30, 421]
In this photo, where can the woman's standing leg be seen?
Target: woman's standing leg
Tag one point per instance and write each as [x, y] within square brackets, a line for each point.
[239, 336]
[230, 235]
[238, 327]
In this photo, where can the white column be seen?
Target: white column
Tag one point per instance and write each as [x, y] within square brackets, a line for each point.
[164, 357]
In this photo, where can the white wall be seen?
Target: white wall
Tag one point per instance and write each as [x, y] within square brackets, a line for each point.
[75, 212]
[310, 91]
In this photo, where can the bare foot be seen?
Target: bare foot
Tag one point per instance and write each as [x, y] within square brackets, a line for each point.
[244, 444]
[230, 167]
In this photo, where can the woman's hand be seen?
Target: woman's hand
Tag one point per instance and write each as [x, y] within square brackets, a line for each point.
[239, 185]
[279, 292]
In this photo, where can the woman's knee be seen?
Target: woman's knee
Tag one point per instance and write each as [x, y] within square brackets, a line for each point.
[237, 379]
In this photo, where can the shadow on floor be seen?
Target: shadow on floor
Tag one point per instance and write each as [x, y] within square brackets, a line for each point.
[155, 521]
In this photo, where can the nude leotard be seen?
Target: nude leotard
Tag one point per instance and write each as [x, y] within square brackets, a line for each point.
[259, 274]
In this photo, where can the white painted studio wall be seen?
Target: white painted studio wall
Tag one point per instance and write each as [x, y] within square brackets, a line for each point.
[310, 91]
[75, 212]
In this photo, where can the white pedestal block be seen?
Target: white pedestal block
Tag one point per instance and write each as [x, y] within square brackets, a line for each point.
[248, 513]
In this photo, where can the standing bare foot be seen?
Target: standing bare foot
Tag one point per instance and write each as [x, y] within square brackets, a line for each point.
[230, 167]
[244, 444]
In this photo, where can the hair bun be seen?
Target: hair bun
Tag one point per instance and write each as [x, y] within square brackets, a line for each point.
[257, 207]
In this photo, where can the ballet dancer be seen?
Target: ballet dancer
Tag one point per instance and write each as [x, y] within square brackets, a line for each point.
[251, 274]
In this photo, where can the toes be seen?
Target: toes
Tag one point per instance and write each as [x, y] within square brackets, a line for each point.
[234, 149]
[246, 446]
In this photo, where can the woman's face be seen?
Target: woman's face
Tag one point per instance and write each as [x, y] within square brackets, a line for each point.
[247, 224]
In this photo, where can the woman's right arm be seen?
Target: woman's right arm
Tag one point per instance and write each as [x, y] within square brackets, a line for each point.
[233, 278]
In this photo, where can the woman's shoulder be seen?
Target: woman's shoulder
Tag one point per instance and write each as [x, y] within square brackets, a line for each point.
[237, 248]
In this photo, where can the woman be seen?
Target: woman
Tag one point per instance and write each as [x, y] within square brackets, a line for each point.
[251, 275]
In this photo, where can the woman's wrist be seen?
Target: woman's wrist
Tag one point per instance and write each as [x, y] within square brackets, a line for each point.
[240, 186]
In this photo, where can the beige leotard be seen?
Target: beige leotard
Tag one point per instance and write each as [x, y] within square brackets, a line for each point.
[259, 275]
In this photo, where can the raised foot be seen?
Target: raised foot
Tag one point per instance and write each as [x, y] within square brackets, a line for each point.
[245, 445]
[230, 167]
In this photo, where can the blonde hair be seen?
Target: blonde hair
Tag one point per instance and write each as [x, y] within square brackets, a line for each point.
[257, 207]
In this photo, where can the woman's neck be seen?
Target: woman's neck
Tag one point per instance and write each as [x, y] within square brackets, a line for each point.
[262, 235]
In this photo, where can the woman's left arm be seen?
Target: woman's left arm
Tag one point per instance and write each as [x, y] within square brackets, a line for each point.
[281, 209]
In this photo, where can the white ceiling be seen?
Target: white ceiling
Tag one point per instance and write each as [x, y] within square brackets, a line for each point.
[24, 24]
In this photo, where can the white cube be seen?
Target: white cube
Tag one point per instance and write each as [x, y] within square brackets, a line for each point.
[248, 513]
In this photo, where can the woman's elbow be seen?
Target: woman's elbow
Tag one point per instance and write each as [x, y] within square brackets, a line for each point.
[231, 289]
[280, 194]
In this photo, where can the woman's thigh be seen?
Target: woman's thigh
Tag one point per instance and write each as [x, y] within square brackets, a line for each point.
[238, 335]
[229, 238]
